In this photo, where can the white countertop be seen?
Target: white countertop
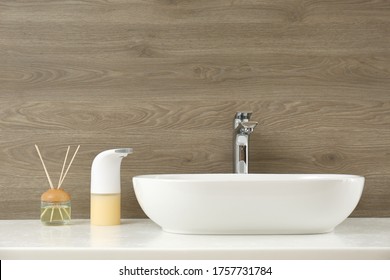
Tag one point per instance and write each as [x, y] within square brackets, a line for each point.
[355, 238]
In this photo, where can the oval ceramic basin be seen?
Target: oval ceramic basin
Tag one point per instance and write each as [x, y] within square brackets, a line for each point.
[248, 203]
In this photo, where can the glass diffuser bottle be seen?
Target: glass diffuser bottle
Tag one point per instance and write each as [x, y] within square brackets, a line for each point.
[55, 202]
[55, 207]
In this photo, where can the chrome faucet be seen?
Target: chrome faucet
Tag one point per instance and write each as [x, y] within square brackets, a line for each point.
[243, 127]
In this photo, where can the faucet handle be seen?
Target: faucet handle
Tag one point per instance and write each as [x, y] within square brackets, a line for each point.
[246, 115]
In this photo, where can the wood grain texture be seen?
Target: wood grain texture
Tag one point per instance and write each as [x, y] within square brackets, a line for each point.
[166, 77]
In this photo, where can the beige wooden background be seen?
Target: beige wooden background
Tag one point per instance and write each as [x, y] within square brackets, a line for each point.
[166, 77]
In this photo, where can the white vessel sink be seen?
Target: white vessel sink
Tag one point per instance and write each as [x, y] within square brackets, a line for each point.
[248, 203]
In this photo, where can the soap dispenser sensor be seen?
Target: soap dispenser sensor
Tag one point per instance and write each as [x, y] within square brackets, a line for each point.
[106, 187]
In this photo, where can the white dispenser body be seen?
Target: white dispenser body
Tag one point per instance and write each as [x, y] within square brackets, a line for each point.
[106, 186]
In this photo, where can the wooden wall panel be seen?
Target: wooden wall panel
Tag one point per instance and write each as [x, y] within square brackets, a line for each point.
[166, 77]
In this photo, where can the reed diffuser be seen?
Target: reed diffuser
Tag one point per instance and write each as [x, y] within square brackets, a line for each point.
[55, 202]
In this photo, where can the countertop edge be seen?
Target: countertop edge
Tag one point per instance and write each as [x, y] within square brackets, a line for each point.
[12, 253]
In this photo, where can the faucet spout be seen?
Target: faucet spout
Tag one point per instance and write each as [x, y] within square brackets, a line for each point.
[243, 127]
[247, 127]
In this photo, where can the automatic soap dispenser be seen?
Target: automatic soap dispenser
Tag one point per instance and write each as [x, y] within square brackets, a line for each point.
[106, 187]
